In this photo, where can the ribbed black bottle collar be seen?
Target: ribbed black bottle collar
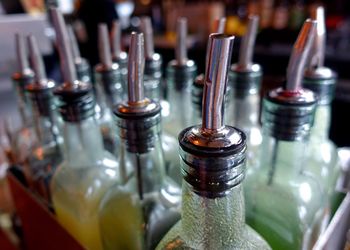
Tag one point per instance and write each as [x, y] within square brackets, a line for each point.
[322, 82]
[289, 115]
[212, 164]
[76, 101]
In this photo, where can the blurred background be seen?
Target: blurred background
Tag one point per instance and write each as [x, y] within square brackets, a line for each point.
[280, 21]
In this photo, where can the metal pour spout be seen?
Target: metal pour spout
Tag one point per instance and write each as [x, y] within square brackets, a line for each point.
[64, 47]
[136, 65]
[248, 41]
[74, 44]
[299, 56]
[147, 30]
[181, 38]
[317, 53]
[21, 53]
[116, 36]
[36, 60]
[219, 25]
[104, 46]
[219, 54]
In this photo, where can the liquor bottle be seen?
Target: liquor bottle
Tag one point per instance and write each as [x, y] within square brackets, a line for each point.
[245, 79]
[180, 75]
[118, 55]
[24, 137]
[81, 64]
[108, 89]
[46, 154]
[322, 80]
[137, 214]
[213, 165]
[153, 63]
[88, 171]
[284, 202]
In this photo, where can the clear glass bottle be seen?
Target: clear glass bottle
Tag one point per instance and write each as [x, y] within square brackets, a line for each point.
[120, 57]
[46, 154]
[285, 203]
[88, 171]
[24, 137]
[81, 64]
[153, 63]
[137, 214]
[245, 79]
[213, 165]
[322, 82]
[108, 90]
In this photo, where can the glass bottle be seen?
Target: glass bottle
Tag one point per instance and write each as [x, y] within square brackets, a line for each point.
[46, 154]
[213, 165]
[120, 57]
[153, 63]
[285, 203]
[180, 76]
[24, 137]
[322, 81]
[108, 89]
[81, 64]
[137, 214]
[245, 79]
[88, 171]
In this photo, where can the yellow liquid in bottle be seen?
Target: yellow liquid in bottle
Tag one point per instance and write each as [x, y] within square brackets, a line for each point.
[121, 222]
[85, 232]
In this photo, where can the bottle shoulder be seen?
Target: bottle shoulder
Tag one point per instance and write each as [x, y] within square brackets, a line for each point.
[248, 240]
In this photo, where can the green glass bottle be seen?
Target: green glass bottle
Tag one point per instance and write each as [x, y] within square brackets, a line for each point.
[46, 154]
[322, 81]
[213, 166]
[137, 214]
[285, 203]
[88, 171]
[245, 79]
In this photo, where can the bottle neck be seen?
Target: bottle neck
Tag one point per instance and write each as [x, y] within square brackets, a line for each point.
[279, 157]
[142, 155]
[224, 216]
[47, 127]
[246, 112]
[83, 143]
[23, 103]
[321, 125]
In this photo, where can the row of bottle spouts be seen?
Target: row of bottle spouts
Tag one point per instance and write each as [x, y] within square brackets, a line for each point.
[131, 203]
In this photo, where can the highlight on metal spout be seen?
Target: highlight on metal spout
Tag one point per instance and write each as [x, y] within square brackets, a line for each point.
[219, 54]
[299, 56]
[136, 64]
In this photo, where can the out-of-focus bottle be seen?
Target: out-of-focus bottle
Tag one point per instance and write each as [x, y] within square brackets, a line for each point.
[108, 90]
[245, 80]
[322, 81]
[118, 55]
[88, 171]
[24, 137]
[213, 166]
[284, 202]
[153, 63]
[137, 214]
[180, 75]
[46, 154]
[81, 64]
